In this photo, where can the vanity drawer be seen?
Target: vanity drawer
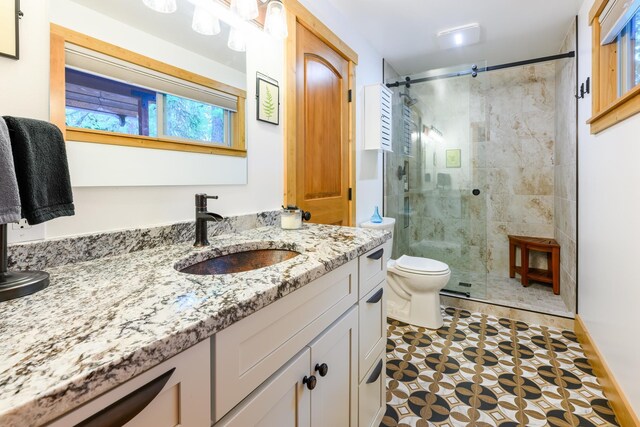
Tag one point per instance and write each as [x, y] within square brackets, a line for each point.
[372, 269]
[373, 331]
[248, 352]
[372, 394]
[172, 394]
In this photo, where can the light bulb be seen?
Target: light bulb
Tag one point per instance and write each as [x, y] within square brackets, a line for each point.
[162, 6]
[246, 9]
[204, 22]
[237, 40]
[276, 20]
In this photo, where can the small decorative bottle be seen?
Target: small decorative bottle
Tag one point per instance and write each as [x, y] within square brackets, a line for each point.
[376, 218]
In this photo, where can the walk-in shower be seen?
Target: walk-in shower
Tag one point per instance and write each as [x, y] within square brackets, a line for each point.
[478, 154]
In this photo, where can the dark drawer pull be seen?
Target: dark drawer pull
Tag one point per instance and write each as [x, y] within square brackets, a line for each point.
[375, 374]
[124, 410]
[376, 297]
[377, 254]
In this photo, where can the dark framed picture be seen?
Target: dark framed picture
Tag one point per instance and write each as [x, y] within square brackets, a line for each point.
[268, 98]
[9, 28]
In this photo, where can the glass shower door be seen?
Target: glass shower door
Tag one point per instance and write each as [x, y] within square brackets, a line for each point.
[434, 182]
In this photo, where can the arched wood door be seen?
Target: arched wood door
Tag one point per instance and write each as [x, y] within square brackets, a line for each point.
[322, 146]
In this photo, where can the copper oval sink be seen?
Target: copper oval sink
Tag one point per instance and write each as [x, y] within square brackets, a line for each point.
[240, 261]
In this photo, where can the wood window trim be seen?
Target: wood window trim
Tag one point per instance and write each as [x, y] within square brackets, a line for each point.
[608, 108]
[297, 13]
[60, 35]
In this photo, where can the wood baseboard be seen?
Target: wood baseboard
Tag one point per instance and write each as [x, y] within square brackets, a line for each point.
[619, 403]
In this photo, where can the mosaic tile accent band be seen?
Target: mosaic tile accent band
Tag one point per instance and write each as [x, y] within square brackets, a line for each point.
[479, 370]
[45, 254]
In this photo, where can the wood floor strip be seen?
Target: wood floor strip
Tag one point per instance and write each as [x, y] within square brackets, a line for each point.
[621, 406]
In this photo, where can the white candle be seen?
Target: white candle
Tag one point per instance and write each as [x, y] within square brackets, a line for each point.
[291, 220]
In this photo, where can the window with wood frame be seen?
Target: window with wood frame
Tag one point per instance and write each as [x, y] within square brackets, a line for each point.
[102, 93]
[616, 62]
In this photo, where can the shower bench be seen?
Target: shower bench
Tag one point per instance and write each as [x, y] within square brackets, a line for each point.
[529, 244]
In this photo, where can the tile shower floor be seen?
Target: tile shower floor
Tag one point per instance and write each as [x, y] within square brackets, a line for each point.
[478, 370]
[509, 292]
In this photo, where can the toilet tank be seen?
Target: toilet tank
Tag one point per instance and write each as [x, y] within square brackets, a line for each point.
[387, 224]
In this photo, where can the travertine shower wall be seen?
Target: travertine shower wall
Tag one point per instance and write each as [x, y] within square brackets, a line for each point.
[516, 162]
[565, 204]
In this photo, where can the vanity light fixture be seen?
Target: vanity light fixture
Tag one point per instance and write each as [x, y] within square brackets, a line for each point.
[246, 9]
[237, 40]
[162, 6]
[276, 20]
[204, 22]
[459, 36]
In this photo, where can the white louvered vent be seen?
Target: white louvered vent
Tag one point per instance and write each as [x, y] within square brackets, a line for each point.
[378, 110]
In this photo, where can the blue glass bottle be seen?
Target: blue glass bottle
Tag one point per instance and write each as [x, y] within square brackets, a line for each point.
[376, 218]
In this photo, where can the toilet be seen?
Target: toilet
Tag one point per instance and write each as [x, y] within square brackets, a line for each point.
[414, 284]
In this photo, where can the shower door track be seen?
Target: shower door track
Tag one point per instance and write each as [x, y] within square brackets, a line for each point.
[475, 69]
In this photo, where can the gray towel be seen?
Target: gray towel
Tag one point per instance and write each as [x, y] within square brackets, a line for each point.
[9, 197]
[40, 157]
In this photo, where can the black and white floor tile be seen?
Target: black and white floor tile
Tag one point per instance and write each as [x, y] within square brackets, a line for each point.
[478, 370]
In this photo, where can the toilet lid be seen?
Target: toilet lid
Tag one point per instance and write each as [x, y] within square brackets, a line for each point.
[419, 265]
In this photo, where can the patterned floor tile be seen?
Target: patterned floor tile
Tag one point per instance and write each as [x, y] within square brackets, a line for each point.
[478, 370]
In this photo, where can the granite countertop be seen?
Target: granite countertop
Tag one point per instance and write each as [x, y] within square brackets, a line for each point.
[102, 322]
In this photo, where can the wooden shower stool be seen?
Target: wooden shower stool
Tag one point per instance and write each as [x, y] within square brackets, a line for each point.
[536, 244]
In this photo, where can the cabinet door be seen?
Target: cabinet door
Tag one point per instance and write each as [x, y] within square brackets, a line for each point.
[334, 400]
[282, 401]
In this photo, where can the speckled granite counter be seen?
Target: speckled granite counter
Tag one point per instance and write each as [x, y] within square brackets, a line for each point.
[104, 321]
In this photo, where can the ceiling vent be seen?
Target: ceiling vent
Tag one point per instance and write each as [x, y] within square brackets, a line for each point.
[460, 36]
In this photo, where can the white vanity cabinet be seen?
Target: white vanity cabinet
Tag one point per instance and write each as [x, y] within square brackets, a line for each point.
[174, 393]
[372, 311]
[303, 392]
[263, 363]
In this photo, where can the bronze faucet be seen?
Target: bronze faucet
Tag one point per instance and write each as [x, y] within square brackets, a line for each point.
[202, 217]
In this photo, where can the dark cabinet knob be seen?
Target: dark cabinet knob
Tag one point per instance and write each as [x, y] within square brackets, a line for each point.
[322, 369]
[311, 381]
[306, 215]
[475, 192]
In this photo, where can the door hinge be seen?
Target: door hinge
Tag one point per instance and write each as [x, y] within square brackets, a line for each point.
[350, 194]
[350, 95]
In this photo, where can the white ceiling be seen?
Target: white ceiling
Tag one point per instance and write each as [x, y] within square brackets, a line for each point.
[404, 31]
[174, 28]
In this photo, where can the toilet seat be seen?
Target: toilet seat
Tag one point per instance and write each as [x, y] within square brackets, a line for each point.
[421, 266]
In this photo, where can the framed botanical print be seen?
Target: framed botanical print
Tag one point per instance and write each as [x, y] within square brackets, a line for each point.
[453, 158]
[9, 28]
[268, 96]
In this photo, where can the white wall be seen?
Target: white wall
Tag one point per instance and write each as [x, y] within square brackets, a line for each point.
[608, 233]
[369, 71]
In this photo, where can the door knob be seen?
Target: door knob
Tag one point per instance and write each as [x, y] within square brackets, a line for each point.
[322, 369]
[311, 381]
